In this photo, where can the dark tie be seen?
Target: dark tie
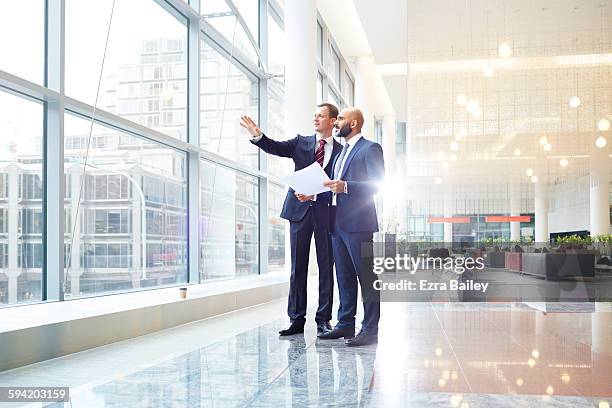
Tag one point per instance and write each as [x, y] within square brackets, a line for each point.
[320, 153]
[339, 161]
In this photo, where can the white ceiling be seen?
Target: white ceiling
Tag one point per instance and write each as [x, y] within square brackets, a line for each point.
[453, 29]
[445, 44]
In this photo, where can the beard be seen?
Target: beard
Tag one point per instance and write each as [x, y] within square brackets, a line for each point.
[344, 131]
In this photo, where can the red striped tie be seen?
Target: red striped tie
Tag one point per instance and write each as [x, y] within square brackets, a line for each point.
[320, 153]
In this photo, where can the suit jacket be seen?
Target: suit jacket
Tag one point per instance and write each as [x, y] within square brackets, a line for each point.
[302, 150]
[364, 171]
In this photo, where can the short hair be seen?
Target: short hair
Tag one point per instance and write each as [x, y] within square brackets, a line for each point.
[331, 108]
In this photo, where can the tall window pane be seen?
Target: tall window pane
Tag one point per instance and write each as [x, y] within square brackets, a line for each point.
[226, 94]
[145, 69]
[229, 223]
[277, 228]
[333, 98]
[319, 88]
[319, 42]
[129, 217]
[276, 97]
[221, 17]
[334, 65]
[348, 88]
[21, 200]
[22, 44]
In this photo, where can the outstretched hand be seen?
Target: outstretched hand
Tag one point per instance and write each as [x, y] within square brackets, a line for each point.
[251, 127]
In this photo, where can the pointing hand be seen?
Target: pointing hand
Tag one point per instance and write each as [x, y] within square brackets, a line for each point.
[251, 127]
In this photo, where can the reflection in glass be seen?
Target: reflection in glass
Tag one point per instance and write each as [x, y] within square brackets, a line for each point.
[21, 200]
[220, 16]
[277, 166]
[226, 94]
[145, 70]
[229, 223]
[276, 228]
[127, 225]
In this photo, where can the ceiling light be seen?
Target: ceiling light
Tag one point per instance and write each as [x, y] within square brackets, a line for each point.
[453, 158]
[438, 180]
[563, 162]
[601, 142]
[478, 113]
[504, 50]
[488, 71]
[472, 106]
[445, 165]
[574, 102]
[461, 133]
[534, 179]
[565, 377]
[603, 124]
[603, 404]
[517, 152]
[543, 141]
[454, 146]
[535, 353]
[550, 390]
[519, 381]
[548, 147]
[462, 99]
[529, 172]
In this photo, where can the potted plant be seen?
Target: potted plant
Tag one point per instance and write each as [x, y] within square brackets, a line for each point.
[603, 242]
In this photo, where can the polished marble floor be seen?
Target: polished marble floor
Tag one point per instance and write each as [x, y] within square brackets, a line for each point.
[429, 354]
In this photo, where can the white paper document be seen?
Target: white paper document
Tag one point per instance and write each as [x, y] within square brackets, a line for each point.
[309, 180]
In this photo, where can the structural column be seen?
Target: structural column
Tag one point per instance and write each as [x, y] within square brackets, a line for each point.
[599, 196]
[515, 210]
[300, 66]
[300, 80]
[365, 94]
[541, 212]
[392, 191]
[448, 212]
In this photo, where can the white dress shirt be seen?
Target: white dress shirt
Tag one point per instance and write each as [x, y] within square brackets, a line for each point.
[327, 152]
[351, 143]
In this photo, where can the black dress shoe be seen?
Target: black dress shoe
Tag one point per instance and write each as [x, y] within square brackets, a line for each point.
[294, 328]
[362, 339]
[336, 333]
[323, 327]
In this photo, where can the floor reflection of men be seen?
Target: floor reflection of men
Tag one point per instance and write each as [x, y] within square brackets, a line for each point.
[349, 379]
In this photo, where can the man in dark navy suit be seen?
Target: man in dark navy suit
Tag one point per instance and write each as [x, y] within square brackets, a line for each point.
[307, 214]
[358, 172]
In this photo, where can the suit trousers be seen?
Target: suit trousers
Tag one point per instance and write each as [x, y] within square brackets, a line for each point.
[354, 262]
[316, 221]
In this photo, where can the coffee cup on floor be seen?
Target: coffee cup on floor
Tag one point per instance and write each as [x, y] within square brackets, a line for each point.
[183, 293]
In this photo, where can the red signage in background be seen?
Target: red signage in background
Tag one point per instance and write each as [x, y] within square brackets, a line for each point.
[453, 220]
[505, 218]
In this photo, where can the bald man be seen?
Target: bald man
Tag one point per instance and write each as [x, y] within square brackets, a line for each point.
[357, 173]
